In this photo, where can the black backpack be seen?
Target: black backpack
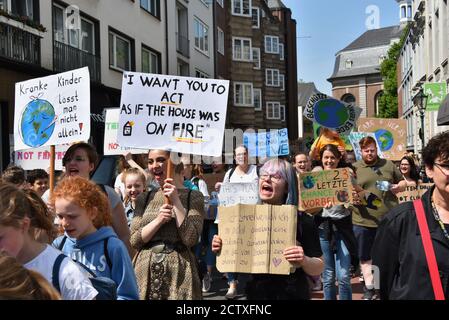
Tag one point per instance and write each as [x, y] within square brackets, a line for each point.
[106, 287]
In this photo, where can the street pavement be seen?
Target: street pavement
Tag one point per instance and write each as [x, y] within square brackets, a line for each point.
[220, 287]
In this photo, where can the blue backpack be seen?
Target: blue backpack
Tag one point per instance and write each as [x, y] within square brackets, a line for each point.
[106, 287]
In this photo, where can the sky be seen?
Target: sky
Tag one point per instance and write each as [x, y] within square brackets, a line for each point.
[324, 27]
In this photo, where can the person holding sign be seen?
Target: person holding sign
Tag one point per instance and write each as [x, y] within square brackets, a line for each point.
[278, 186]
[380, 177]
[409, 266]
[409, 172]
[336, 236]
[327, 136]
[164, 234]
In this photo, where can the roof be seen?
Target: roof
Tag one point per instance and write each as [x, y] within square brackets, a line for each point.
[375, 38]
[274, 4]
[305, 91]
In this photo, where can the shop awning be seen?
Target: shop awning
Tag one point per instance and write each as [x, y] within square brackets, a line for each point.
[443, 112]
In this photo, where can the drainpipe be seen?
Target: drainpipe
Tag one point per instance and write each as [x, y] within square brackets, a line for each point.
[166, 38]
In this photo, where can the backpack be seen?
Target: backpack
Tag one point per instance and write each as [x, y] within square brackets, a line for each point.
[106, 287]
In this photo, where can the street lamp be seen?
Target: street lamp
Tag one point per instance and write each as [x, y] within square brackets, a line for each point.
[420, 100]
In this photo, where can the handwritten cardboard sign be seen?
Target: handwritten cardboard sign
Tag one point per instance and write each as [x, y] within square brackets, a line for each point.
[264, 144]
[39, 158]
[254, 237]
[390, 134]
[52, 110]
[111, 147]
[412, 193]
[172, 113]
[316, 189]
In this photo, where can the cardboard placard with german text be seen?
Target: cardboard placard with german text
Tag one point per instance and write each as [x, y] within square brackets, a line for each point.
[390, 134]
[39, 158]
[316, 189]
[412, 193]
[254, 238]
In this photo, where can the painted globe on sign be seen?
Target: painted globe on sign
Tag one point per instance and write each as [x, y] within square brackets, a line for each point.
[308, 182]
[385, 139]
[330, 113]
[36, 125]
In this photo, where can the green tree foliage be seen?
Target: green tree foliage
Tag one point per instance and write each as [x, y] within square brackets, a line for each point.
[388, 102]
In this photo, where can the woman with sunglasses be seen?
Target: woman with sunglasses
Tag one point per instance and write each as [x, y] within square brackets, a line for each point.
[278, 186]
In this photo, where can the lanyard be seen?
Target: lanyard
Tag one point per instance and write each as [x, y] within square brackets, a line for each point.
[438, 219]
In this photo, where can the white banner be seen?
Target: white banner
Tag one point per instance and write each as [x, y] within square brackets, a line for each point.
[238, 193]
[39, 158]
[52, 110]
[173, 113]
[111, 147]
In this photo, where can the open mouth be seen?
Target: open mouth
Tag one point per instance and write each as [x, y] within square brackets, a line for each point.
[158, 174]
[73, 172]
[267, 190]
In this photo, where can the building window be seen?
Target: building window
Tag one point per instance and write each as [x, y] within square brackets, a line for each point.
[255, 18]
[241, 49]
[220, 2]
[282, 82]
[348, 64]
[220, 41]
[281, 51]
[152, 6]
[257, 97]
[273, 110]
[272, 77]
[282, 111]
[256, 58]
[201, 36]
[83, 39]
[241, 8]
[119, 52]
[183, 69]
[20, 8]
[272, 44]
[377, 102]
[151, 61]
[243, 94]
[201, 74]
[348, 98]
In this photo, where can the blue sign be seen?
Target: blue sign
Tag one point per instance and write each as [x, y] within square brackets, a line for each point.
[267, 144]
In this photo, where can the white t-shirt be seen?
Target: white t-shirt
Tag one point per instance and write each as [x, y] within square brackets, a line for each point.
[74, 284]
[249, 176]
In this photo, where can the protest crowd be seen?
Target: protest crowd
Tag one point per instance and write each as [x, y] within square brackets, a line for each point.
[166, 228]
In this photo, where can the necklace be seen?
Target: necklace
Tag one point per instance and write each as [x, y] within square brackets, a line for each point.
[438, 219]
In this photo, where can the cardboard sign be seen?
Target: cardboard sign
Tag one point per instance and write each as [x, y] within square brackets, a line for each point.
[238, 193]
[355, 137]
[52, 110]
[390, 134]
[254, 237]
[39, 158]
[332, 113]
[173, 113]
[436, 92]
[316, 189]
[111, 147]
[267, 144]
[412, 193]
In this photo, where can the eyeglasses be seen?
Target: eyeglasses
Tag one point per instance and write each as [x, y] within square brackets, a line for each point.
[273, 177]
[444, 167]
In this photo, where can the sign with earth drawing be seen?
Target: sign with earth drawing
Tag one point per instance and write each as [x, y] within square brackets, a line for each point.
[436, 92]
[390, 134]
[316, 189]
[332, 113]
[355, 138]
[52, 110]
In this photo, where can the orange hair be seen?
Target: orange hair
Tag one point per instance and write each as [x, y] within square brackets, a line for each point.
[19, 283]
[86, 195]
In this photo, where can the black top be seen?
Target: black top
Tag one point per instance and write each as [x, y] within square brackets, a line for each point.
[295, 285]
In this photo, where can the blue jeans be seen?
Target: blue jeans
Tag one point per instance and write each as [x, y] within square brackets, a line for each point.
[336, 264]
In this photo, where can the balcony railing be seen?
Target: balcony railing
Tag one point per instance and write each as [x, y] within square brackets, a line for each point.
[19, 45]
[66, 57]
[182, 45]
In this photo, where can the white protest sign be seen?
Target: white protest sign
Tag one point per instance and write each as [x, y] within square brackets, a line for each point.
[39, 158]
[52, 110]
[273, 143]
[238, 193]
[111, 147]
[355, 137]
[173, 113]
